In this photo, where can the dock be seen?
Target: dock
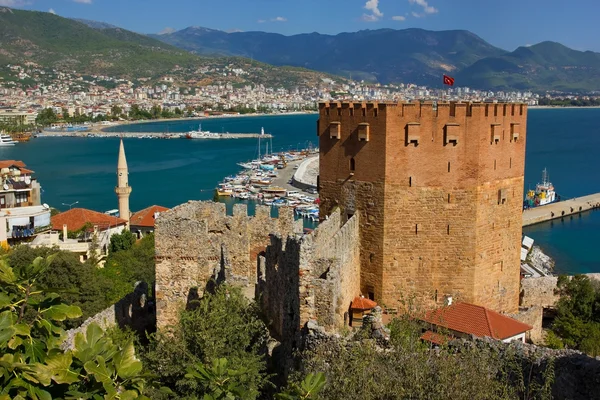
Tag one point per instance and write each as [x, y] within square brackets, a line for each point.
[561, 209]
[151, 135]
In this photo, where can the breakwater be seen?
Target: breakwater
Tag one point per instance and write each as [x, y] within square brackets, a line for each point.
[561, 209]
[153, 135]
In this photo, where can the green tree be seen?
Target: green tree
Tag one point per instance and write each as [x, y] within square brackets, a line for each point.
[122, 241]
[578, 313]
[219, 325]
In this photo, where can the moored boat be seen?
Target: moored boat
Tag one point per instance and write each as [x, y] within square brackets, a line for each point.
[544, 193]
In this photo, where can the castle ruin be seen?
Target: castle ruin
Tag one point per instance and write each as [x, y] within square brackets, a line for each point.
[295, 276]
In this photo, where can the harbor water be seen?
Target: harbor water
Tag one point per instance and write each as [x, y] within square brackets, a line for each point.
[169, 172]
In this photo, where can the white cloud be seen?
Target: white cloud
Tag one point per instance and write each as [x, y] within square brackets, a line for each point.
[373, 7]
[416, 15]
[83, 1]
[261, 21]
[279, 19]
[399, 18]
[166, 30]
[51, 11]
[427, 9]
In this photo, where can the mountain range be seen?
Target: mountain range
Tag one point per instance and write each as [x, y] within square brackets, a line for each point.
[410, 55]
[383, 55]
[91, 47]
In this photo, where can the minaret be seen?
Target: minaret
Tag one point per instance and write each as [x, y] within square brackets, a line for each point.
[123, 190]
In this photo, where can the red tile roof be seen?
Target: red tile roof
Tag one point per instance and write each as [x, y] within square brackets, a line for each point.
[146, 216]
[476, 320]
[76, 218]
[361, 303]
[15, 163]
[433, 337]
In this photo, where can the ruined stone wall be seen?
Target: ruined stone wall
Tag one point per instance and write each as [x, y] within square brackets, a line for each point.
[197, 241]
[533, 316]
[132, 311]
[429, 184]
[542, 291]
[313, 276]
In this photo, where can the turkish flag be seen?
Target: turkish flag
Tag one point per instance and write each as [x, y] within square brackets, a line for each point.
[448, 80]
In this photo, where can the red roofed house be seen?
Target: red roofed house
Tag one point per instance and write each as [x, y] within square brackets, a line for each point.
[21, 211]
[86, 223]
[360, 307]
[142, 222]
[464, 319]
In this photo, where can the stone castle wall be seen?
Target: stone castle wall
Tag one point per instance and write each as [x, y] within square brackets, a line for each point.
[197, 241]
[449, 180]
[542, 291]
[313, 276]
[295, 276]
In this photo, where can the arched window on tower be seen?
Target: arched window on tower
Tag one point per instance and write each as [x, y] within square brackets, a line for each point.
[352, 165]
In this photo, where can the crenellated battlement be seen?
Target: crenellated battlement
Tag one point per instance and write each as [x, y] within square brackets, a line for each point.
[427, 109]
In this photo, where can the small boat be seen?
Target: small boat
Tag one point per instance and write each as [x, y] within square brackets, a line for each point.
[200, 134]
[544, 193]
[224, 190]
[6, 140]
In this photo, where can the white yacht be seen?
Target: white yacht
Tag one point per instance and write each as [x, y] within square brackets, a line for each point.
[6, 140]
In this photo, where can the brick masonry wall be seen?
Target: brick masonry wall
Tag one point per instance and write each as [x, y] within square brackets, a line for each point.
[430, 207]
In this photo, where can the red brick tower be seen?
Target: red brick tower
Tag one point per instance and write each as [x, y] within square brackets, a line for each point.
[440, 195]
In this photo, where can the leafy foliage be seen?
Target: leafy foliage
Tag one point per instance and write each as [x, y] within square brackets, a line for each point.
[309, 388]
[78, 284]
[220, 325]
[122, 241]
[124, 268]
[577, 324]
[219, 382]
[33, 366]
[410, 370]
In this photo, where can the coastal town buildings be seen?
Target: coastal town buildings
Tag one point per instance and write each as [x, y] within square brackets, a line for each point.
[21, 211]
[73, 94]
[142, 222]
[73, 230]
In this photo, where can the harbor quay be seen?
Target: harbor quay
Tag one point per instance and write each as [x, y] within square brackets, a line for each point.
[151, 135]
[561, 209]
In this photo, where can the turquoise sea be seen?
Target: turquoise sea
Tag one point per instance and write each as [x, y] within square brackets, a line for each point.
[170, 172]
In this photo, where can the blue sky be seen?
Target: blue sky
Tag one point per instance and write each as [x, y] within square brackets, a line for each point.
[506, 23]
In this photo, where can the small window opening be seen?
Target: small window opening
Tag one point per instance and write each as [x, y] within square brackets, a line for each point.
[510, 163]
[448, 198]
[448, 166]
[494, 164]
[448, 229]
[435, 296]
[371, 257]
[410, 181]
[352, 112]
[327, 111]
[416, 229]
[375, 111]
[364, 112]
[339, 110]
[352, 165]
